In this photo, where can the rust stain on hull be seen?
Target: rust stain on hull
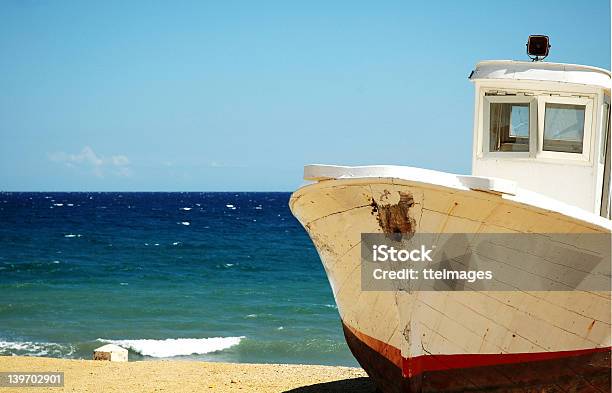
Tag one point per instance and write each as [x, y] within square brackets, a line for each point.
[395, 219]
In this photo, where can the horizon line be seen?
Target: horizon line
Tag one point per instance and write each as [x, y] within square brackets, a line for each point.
[133, 191]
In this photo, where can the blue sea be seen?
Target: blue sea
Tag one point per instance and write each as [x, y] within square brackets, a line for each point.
[206, 276]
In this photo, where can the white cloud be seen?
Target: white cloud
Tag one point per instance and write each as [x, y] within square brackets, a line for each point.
[217, 164]
[99, 165]
[120, 160]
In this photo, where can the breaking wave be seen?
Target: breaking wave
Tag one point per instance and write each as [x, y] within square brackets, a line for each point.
[29, 348]
[177, 346]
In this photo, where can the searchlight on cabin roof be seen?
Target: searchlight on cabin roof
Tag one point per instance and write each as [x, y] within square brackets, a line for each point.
[537, 47]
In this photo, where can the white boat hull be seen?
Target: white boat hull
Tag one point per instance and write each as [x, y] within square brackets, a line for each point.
[454, 341]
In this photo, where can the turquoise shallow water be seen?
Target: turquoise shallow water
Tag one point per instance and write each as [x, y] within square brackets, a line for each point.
[210, 276]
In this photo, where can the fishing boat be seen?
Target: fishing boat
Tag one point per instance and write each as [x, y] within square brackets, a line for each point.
[540, 165]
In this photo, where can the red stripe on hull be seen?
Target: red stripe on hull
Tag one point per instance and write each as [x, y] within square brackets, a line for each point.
[417, 365]
[568, 371]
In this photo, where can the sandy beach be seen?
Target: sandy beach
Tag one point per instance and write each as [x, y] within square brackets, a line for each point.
[189, 376]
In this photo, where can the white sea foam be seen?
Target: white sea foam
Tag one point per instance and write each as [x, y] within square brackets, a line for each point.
[185, 208]
[177, 346]
[258, 207]
[58, 204]
[70, 204]
[35, 348]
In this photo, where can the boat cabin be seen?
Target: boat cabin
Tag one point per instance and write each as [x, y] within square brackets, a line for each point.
[545, 126]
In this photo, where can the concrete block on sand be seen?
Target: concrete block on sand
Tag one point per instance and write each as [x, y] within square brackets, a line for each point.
[111, 352]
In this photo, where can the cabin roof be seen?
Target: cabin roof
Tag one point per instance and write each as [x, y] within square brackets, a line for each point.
[541, 71]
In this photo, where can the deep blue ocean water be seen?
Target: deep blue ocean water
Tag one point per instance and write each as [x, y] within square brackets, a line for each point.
[209, 276]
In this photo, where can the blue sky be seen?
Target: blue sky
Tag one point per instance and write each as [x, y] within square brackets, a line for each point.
[239, 95]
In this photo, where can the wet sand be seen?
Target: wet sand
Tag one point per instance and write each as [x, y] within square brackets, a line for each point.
[189, 376]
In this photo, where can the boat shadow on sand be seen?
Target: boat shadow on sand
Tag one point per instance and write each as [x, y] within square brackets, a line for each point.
[354, 385]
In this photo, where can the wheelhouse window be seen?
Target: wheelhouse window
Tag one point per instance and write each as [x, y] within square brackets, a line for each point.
[564, 127]
[527, 125]
[509, 127]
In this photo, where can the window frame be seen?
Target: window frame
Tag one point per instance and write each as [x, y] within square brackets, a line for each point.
[586, 137]
[533, 125]
[604, 134]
